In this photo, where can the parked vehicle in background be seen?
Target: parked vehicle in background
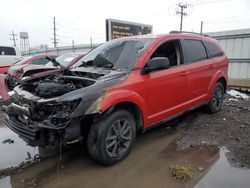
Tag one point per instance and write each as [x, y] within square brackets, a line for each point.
[17, 70]
[8, 56]
[118, 89]
[32, 67]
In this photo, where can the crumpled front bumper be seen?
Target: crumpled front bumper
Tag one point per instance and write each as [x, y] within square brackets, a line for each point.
[32, 136]
[34, 133]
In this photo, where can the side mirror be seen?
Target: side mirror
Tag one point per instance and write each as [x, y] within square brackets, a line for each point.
[156, 63]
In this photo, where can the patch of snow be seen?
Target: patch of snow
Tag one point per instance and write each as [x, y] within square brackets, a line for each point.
[237, 94]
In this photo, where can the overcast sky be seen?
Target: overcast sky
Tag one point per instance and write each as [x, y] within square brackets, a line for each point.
[79, 20]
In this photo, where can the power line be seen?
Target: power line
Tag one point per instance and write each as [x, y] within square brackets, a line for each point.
[41, 29]
[13, 37]
[75, 29]
[201, 2]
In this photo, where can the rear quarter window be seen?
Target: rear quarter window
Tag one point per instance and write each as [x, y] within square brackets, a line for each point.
[193, 51]
[40, 61]
[7, 51]
[212, 49]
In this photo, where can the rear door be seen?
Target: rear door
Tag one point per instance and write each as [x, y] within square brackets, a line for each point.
[201, 70]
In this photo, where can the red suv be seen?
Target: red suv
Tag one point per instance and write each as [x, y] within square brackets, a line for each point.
[118, 89]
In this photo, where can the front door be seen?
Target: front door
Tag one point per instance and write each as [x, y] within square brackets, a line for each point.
[167, 88]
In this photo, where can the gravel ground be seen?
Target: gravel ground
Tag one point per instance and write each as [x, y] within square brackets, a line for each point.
[230, 128]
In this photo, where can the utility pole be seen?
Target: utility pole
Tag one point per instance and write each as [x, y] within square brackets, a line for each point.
[13, 37]
[54, 28]
[91, 44]
[181, 12]
[201, 27]
[73, 46]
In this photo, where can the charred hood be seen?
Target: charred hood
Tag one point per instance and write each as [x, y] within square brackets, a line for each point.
[78, 79]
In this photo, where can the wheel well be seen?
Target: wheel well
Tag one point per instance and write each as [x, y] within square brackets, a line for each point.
[135, 110]
[224, 82]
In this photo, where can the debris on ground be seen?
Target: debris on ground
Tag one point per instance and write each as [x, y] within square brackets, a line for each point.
[9, 141]
[238, 95]
[201, 169]
[30, 181]
[181, 172]
[229, 128]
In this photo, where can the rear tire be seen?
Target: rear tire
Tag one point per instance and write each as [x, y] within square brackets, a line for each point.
[112, 137]
[215, 102]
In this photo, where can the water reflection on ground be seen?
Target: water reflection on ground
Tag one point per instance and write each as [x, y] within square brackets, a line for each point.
[12, 154]
[224, 175]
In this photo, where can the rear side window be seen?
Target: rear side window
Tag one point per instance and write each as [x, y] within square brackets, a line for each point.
[193, 51]
[212, 49]
[7, 51]
[40, 61]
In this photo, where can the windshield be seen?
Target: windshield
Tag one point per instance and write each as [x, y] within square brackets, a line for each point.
[117, 54]
[64, 60]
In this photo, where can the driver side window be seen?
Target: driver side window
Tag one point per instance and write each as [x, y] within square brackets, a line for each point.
[171, 50]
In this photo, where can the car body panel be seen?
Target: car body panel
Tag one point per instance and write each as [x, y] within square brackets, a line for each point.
[3, 88]
[4, 68]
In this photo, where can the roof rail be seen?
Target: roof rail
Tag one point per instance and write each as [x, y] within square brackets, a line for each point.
[189, 32]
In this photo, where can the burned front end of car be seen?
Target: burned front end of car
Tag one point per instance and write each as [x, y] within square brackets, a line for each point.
[42, 124]
[53, 110]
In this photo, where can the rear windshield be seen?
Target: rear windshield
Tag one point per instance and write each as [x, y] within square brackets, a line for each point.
[7, 50]
[121, 53]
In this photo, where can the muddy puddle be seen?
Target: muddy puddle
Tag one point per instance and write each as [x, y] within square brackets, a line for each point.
[13, 150]
[146, 166]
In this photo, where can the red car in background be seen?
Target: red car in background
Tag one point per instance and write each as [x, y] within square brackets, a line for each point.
[36, 59]
[35, 68]
[16, 71]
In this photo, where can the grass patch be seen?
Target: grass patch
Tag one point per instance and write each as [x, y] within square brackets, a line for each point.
[181, 172]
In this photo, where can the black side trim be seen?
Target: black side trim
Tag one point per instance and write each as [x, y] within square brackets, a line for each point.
[173, 117]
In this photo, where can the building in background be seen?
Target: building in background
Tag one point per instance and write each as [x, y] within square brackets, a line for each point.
[236, 44]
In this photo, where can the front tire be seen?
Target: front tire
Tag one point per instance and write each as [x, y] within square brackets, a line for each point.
[112, 137]
[215, 102]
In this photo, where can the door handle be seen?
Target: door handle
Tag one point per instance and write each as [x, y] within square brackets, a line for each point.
[212, 66]
[184, 73]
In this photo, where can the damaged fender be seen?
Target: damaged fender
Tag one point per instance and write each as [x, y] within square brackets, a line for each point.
[115, 97]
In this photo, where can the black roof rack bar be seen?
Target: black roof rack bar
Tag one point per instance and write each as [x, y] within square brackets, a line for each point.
[189, 32]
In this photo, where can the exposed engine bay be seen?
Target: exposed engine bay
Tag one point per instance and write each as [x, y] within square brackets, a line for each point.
[54, 86]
